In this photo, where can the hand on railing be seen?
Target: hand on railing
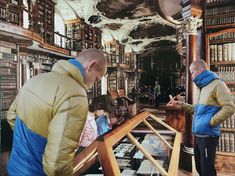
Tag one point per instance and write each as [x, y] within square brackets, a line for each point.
[176, 101]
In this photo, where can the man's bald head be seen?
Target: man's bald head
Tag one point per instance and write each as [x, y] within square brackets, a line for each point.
[200, 64]
[89, 55]
[94, 64]
[197, 67]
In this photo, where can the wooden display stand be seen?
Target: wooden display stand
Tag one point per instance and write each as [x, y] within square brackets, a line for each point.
[175, 118]
[103, 147]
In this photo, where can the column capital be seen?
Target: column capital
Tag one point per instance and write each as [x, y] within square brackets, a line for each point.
[33, 2]
[191, 24]
[36, 65]
[24, 61]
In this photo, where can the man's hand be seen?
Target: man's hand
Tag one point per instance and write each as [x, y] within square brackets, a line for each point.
[174, 103]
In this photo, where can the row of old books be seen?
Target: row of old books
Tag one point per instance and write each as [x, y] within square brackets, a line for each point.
[213, 1]
[231, 87]
[220, 10]
[219, 21]
[233, 96]
[6, 102]
[222, 52]
[226, 142]
[8, 84]
[7, 56]
[226, 73]
[229, 122]
[8, 76]
[222, 37]
[112, 81]
[83, 35]
[3, 115]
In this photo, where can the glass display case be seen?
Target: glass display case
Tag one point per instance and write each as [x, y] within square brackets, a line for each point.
[130, 150]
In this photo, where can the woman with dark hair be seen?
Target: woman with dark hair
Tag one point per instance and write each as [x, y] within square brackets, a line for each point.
[105, 106]
[99, 109]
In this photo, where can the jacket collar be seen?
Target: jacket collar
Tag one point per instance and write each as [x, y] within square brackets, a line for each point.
[205, 78]
[78, 65]
[66, 68]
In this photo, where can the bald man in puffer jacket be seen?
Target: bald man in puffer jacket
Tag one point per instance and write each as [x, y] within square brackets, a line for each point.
[48, 116]
[213, 105]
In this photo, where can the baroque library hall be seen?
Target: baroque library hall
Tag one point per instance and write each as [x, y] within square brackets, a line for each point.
[124, 87]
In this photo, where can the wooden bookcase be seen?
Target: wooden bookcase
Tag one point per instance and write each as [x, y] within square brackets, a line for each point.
[97, 36]
[35, 62]
[121, 82]
[112, 81]
[220, 55]
[116, 63]
[115, 49]
[73, 31]
[94, 91]
[83, 36]
[8, 72]
[11, 11]
[8, 89]
[45, 19]
[131, 82]
[129, 58]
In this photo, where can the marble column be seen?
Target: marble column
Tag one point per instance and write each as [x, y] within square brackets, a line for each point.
[23, 70]
[191, 25]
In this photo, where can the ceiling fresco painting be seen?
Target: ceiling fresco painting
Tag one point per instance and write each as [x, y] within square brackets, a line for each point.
[135, 23]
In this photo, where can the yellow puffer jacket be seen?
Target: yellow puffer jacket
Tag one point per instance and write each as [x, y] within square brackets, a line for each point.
[54, 106]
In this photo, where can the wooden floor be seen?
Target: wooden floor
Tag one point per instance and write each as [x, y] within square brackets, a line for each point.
[185, 173]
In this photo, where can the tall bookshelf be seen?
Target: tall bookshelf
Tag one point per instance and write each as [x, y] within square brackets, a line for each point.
[131, 82]
[115, 53]
[121, 81]
[8, 89]
[83, 36]
[36, 62]
[46, 10]
[73, 30]
[11, 11]
[116, 50]
[220, 55]
[97, 36]
[94, 91]
[112, 81]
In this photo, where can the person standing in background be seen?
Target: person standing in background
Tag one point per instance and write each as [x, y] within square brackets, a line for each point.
[157, 93]
[214, 104]
[49, 113]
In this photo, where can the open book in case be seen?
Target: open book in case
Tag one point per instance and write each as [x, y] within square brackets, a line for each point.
[130, 150]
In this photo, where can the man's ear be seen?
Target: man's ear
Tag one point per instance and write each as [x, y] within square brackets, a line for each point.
[92, 65]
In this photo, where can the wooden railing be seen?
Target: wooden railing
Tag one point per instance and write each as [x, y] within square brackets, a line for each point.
[102, 148]
[62, 41]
